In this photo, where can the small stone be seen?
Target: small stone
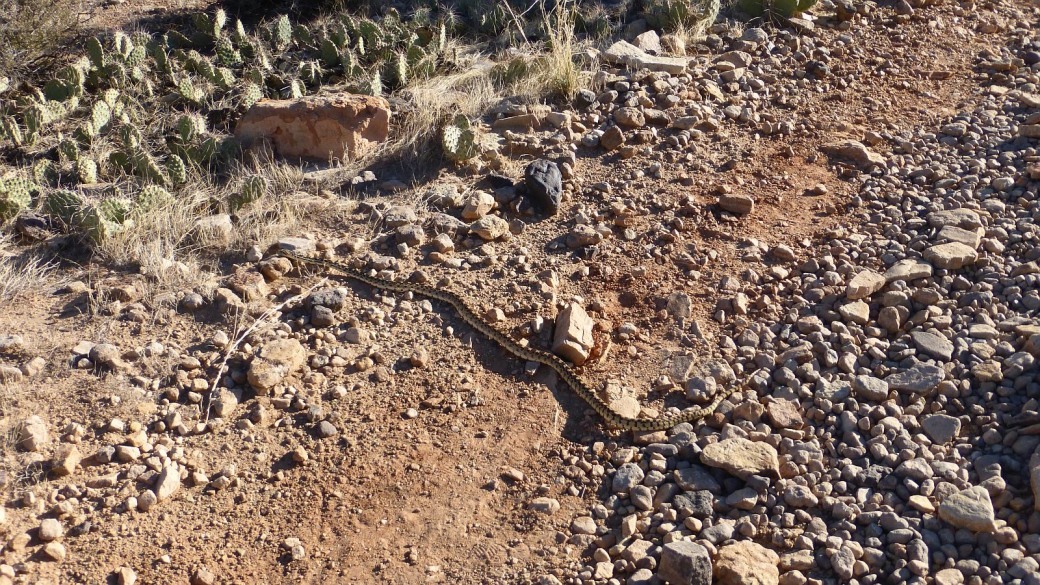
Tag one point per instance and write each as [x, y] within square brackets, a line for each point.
[746, 563]
[919, 379]
[932, 344]
[490, 227]
[573, 339]
[168, 483]
[908, 270]
[738, 204]
[66, 460]
[583, 525]
[949, 577]
[970, 509]
[951, 256]
[941, 428]
[547, 506]
[855, 312]
[685, 563]
[50, 529]
[479, 204]
[277, 360]
[126, 576]
[854, 151]
[864, 284]
[55, 551]
[326, 430]
[612, 139]
[742, 457]
[203, 577]
[33, 435]
[544, 183]
[627, 477]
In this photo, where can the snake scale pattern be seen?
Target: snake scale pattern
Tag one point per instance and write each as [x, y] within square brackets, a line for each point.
[562, 368]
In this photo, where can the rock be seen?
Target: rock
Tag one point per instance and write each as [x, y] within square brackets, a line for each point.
[685, 563]
[962, 218]
[490, 227]
[399, 215]
[277, 359]
[627, 477]
[970, 509]
[629, 117]
[146, 500]
[10, 343]
[855, 312]
[10, 375]
[941, 428]
[340, 126]
[55, 551]
[478, 204]
[544, 184]
[249, 284]
[739, 204]
[987, 371]
[949, 577]
[333, 298]
[126, 576]
[612, 138]
[298, 245]
[202, 576]
[864, 284]
[908, 270]
[583, 525]
[746, 563]
[215, 228]
[1034, 478]
[225, 402]
[50, 529]
[919, 379]
[951, 256]
[932, 344]
[326, 429]
[107, 355]
[970, 238]
[573, 339]
[742, 457]
[696, 478]
[854, 151]
[648, 42]
[631, 56]
[33, 435]
[785, 414]
[679, 305]
[66, 460]
[547, 506]
[583, 235]
[673, 44]
[168, 483]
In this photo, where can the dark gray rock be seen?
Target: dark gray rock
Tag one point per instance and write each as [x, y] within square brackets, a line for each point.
[685, 563]
[544, 185]
[920, 379]
[932, 345]
[329, 297]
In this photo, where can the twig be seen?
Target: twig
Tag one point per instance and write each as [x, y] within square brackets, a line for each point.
[238, 341]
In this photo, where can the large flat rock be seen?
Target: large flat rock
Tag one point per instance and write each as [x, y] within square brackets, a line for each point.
[342, 126]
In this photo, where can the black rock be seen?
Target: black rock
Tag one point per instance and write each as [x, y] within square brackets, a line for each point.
[544, 185]
[584, 99]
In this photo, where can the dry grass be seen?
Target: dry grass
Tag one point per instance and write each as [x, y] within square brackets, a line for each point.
[33, 29]
[24, 274]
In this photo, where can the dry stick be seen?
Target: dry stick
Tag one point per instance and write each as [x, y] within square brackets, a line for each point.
[264, 317]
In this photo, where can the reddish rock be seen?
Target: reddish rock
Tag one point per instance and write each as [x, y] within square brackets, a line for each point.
[342, 126]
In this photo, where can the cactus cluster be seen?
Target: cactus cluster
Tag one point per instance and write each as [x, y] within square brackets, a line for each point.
[106, 116]
[459, 140]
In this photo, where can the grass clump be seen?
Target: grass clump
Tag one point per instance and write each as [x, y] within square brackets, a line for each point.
[31, 30]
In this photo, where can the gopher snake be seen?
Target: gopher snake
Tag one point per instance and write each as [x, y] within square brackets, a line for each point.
[535, 355]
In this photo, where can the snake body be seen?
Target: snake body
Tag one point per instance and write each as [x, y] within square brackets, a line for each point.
[562, 368]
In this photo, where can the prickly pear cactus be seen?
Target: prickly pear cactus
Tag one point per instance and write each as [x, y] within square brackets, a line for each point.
[227, 53]
[96, 226]
[63, 205]
[253, 188]
[116, 209]
[14, 197]
[96, 52]
[153, 196]
[458, 140]
[251, 94]
[281, 32]
[87, 170]
[176, 170]
[45, 172]
[190, 126]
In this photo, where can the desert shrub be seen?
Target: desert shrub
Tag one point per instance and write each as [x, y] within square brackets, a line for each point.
[32, 29]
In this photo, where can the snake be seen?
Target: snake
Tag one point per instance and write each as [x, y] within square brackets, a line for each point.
[557, 364]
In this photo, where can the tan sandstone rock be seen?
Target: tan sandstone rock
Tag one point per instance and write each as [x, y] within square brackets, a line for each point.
[746, 563]
[342, 126]
[277, 359]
